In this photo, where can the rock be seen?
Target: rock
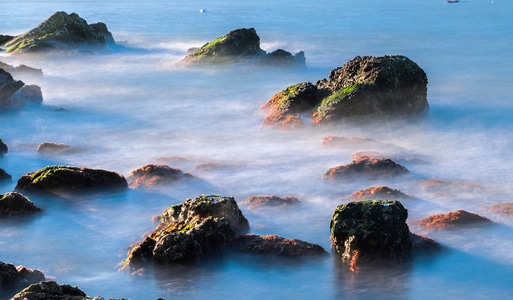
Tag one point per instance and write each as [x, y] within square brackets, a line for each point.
[210, 166]
[191, 230]
[272, 201]
[21, 69]
[370, 168]
[69, 179]
[504, 209]
[28, 94]
[14, 203]
[424, 245]
[8, 86]
[282, 58]
[5, 38]
[378, 192]
[285, 108]
[50, 290]
[4, 176]
[152, 175]
[452, 220]
[61, 32]
[240, 46]
[371, 231]
[449, 188]
[365, 88]
[274, 245]
[14, 278]
[53, 148]
[3, 148]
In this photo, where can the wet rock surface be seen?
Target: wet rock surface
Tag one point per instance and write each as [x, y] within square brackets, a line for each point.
[14, 203]
[452, 220]
[61, 32]
[154, 175]
[367, 167]
[364, 89]
[71, 179]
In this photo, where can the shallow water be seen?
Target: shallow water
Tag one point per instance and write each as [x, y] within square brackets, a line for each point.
[128, 108]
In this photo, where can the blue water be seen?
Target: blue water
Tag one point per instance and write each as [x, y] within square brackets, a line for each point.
[130, 108]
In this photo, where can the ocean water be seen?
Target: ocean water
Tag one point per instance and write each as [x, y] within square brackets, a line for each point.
[128, 108]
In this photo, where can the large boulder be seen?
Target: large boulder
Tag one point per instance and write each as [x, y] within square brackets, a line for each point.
[14, 278]
[70, 179]
[61, 31]
[367, 167]
[14, 203]
[365, 88]
[153, 175]
[191, 230]
[240, 45]
[375, 231]
[50, 290]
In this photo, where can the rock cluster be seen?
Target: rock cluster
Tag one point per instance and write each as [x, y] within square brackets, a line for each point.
[365, 88]
[61, 32]
[240, 46]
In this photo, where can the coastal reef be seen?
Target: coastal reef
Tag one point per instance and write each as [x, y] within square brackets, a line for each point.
[365, 88]
[61, 32]
[240, 46]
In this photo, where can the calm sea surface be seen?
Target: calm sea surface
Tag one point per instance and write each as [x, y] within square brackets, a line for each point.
[134, 107]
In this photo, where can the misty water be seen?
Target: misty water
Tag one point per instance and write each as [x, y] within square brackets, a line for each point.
[130, 107]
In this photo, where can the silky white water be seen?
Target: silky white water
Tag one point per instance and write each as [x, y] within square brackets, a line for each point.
[127, 108]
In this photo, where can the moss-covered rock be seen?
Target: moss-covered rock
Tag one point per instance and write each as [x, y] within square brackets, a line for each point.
[70, 179]
[61, 31]
[371, 230]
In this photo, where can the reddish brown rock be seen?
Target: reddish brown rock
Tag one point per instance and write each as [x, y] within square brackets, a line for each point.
[274, 245]
[504, 209]
[262, 201]
[153, 175]
[367, 167]
[377, 193]
[50, 290]
[452, 220]
[442, 187]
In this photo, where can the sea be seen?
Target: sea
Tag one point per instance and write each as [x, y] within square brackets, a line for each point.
[134, 105]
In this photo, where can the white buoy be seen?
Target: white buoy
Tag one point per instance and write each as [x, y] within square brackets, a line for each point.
[202, 10]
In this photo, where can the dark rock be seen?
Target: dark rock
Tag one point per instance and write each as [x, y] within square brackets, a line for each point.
[452, 220]
[14, 203]
[151, 175]
[21, 69]
[191, 230]
[274, 245]
[50, 290]
[367, 167]
[261, 201]
[371, 231]
[368, 88]
[69, 179]
[424, 246]
[4, 176]
[3, 148]
[8, 86]
[14, 278]
[378, 192]
[285, 108]
[61, 31]
[282, 58]
[53, 148]
[28, 94]
[5, 38]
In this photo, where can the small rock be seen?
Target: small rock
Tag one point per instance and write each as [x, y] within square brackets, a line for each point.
[378, 193]
[367, 167]
[271, 201]
[50, 290]
[452, 220]
[54, 148]
[274, 245]
[14, 203]
[152, 175]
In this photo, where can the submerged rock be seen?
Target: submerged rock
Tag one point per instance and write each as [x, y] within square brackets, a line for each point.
[365, 88]
[8, 86]
[274, 245]
[70, 179]
[151, 175]
[449, 188]
[191, 230]
[3, 148]
[50, 290]
[15, 278]
[61, 32]
[20, 69]
[4, 176]
[271, 201]
[16, 204]
[367, 167]
[452, 220]
[504, 209]
[28, 94]
[240, 45]
[54, 148]
[378, 192]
